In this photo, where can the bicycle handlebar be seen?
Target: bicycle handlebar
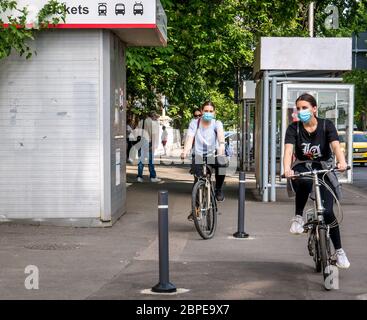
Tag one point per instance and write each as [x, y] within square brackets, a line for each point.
[211, 156]
[308, 173]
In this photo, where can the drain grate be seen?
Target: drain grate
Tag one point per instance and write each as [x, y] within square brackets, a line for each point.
[52, 246]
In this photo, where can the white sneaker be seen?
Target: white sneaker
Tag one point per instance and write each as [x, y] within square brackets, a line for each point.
[341, 259]
[155, 180]
[140, 179]
[297, 225]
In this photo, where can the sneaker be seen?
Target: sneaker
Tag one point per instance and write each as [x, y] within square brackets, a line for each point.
[140, 179]
[341, 259]
[155, 180]
[297, 225]
[219, 195]
[190, 217]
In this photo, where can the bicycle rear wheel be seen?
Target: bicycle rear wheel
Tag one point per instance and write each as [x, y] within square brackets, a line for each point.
[204, 210]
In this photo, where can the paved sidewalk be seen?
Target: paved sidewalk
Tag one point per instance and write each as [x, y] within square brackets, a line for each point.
[120, 262]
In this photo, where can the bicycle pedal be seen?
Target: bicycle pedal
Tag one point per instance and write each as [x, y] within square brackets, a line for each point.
[197, 214]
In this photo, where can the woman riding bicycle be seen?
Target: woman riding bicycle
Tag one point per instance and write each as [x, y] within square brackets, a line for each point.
[310, 140]
[206, 136]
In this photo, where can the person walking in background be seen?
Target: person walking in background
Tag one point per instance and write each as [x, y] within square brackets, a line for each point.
[164, 139]
[130, 139]
[197, 114]
[149, 133]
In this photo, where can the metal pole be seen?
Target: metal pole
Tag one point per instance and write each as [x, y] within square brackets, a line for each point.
[311, 79]
[244, 134]
[265, 132]
[240, 136]
[248, 137]
[249, 145]
[273, 143]
[311, 12]
[241, 209]
[283, 73]
[164, 286]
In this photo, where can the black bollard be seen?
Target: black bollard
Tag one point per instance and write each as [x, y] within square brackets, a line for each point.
[164, 286]
[241, 208]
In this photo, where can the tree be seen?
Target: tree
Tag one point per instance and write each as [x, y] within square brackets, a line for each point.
[211, 41]
[359, 79]
[16, 34]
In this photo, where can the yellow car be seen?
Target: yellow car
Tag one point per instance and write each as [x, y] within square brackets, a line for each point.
[359, 146]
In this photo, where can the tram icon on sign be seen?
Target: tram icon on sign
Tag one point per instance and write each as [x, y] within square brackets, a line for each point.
[120, 9]
[138, 8]
[102, 9]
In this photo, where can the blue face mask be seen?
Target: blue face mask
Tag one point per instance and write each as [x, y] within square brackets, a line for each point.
[305, 115]
[208, 116]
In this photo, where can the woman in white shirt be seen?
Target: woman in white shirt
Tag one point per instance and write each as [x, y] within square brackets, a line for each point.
[206, 137]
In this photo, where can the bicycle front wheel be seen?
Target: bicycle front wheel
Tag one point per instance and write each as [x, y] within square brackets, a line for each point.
[314, 249]
[204, 210]
[325, 258]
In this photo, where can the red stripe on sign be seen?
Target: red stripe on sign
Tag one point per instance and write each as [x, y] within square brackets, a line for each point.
[97, 26]
[106, 26]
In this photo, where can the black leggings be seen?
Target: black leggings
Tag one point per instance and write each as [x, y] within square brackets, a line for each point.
[197, 170]
[303, 188]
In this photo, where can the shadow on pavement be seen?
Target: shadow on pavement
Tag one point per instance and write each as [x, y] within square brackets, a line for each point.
[237, 280]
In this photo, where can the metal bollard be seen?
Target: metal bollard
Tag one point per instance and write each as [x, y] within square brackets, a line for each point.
[164, 286]
[241, 208]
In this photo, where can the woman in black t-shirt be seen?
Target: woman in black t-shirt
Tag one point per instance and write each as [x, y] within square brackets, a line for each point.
[312, 140]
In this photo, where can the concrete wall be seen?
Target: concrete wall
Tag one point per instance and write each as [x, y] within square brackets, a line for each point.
[118, 126]
[60, 126]
[49, 154]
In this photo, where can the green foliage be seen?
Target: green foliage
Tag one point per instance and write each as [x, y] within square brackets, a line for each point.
[359, 78]
[209, 40]
[352, 17]
[17, 34]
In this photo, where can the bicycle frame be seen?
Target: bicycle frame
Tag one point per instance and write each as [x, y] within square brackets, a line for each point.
[319, 209]
[208, 185]
[319, 231]
[204, 207]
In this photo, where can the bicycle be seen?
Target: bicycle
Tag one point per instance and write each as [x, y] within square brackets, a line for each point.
[204, 204]
[318, 244]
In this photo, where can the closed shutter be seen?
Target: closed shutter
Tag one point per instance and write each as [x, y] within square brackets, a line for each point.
[49, 118]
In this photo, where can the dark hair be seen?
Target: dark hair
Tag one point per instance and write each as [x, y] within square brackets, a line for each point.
[307, 97]
[208, 103]
[163, 128]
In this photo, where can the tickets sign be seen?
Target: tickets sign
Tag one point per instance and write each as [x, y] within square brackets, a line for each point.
[100, 14]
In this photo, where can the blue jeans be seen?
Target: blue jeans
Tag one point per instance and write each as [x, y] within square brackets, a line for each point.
[150, 165]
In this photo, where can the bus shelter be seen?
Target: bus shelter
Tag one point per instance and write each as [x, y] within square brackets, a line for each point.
[296, 66]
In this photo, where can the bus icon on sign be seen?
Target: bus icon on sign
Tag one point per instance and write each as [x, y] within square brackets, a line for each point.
[138, 8]
[102, 9]
[120, 9]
